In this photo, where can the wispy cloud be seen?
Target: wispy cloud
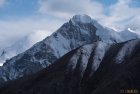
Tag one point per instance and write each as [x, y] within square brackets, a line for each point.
[2, 2]
[68, 8]
[121, 15]
[11, 31]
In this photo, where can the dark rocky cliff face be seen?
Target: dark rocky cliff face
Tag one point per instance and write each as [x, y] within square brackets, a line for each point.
[89, 69]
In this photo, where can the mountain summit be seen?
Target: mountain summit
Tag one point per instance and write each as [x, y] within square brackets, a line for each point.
[80, 30]
[82, 19]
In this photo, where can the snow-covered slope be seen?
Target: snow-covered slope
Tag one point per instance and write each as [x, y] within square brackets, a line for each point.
[128, 34]
[89, 69]
[22, 45]
[80, 30]
[81, 57]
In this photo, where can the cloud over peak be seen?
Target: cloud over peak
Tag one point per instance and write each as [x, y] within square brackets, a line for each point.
[66, 9]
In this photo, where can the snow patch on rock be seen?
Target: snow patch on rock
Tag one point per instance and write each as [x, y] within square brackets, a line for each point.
[126, 51]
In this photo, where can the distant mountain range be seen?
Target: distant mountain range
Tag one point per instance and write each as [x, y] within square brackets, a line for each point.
[88, 43]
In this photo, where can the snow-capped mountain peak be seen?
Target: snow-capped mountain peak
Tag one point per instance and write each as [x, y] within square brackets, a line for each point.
[81, 19]
[79, 31]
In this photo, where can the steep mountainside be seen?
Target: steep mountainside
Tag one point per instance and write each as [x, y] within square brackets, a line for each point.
[80, 30]
[96, 68]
